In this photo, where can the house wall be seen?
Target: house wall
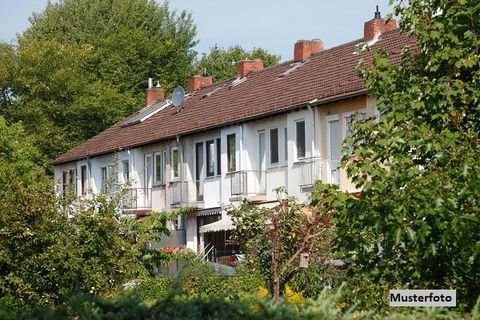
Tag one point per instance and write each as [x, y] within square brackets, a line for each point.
[291, 171]
[342, 110]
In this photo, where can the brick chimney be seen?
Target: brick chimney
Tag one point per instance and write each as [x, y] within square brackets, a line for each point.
[198, 82]
[305, 48]
[377, 26]
[244, 67]
[153, 94]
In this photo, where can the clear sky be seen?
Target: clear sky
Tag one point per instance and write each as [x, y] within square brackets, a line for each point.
[273, 25]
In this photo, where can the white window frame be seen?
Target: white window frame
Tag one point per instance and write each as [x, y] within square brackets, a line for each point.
[172, 167]
[83, 180]
[261, 163]
[162, 155]
[126, 173]
[270, 160]
[331, 178]
[212, 157]
[103, 179]
[229, 167]
[347, 115]
[304, 138]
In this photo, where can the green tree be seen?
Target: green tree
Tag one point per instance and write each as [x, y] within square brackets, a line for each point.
[46, 252]
[276, 238]
[82, 66]
[221, 64]
[416, 222]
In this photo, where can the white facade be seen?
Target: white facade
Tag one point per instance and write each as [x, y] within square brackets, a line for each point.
[216, 168]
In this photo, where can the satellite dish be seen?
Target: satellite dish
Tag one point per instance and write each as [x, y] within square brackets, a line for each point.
[178, 96]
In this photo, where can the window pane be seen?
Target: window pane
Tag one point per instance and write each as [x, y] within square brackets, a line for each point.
[126, 171]
[261, 150]
[210, 158]
[84, 180]
[285, 143]
[175, 163]
[219, 159]
[335, 140]
[158, 168]
[300, 139]
[198, 160]
[274, 145]
[231, 149]
[104, 179]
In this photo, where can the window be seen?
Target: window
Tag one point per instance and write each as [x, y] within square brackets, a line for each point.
[199, 170]
[159, 167]
[175, 163]
[126, 170]
[334, 146]
[231, 153]
[219, 156]
[83, 177]
[261, 149]
[300, 138]
[103, 184]
[285, 144]
[113, 172]
[210, 158]
[68, 180]
[274, 146]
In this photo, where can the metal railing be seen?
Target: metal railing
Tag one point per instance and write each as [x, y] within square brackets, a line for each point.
[137, 199]
[311, 170]
[199, 189]
[178, 192]
[333, 172]
[248, 182]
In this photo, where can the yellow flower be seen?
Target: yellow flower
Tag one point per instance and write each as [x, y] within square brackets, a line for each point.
[262, 292]
[295, 298]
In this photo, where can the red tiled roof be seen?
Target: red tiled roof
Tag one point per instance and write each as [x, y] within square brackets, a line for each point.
[326, 76]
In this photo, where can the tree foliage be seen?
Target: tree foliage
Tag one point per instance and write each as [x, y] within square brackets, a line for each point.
[82, 66]
[46, 253]
[221, 64]
[276, 238]
[416, 221]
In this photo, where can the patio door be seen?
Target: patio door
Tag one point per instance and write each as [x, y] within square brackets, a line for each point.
[145, 193]
[334, 148]
[262, 158]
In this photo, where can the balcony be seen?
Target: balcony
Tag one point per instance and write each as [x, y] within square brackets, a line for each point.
[179, 193]
[310, 171]
[247, 183]
[333, 172]
[137, 199]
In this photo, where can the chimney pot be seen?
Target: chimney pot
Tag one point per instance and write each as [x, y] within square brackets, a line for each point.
[305, 48]
[244, 67]
[377, 26]
[153, 94]
[198, 82]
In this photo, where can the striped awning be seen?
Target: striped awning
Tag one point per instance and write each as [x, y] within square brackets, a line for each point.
[223, 224]
[209, 212]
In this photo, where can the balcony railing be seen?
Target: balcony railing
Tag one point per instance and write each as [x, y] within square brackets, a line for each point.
[199, 189]
[333, 172]
[311, 170]
[137, 199]
[248, 183]
[178, 193]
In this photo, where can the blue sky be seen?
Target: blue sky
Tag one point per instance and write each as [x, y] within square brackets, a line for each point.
[268, 24]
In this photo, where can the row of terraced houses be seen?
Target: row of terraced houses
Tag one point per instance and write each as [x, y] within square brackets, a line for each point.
[266, 128]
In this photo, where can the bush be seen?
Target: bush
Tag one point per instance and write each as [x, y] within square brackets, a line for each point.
[326, 306]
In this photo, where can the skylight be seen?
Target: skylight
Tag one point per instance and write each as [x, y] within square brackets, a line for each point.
[146, 113]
